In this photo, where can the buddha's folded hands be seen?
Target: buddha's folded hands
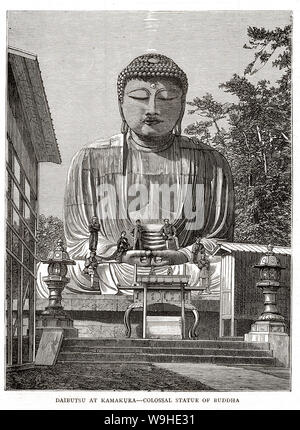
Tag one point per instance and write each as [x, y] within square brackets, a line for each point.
[154, 258]
[168, 257]
[138, 257]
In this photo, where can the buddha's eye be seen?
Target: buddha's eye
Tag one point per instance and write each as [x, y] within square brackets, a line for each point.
[166, 96]
[138, 95]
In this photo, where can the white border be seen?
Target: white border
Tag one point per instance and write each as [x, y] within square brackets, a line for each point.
[46, 400]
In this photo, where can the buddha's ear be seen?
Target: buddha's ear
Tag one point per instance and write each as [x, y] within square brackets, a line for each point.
[177, 128]
[183, 104]
[124, 126]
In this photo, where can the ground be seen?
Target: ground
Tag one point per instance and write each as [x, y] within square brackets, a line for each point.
[234, 378]
[128, 377]
[149, 377]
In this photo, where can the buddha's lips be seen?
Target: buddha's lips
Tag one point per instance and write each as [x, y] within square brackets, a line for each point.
[151, 121]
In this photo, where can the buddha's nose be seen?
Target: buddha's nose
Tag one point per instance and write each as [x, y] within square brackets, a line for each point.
[152, 108]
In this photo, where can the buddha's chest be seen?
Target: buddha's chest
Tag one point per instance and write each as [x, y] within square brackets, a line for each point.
[169, 166]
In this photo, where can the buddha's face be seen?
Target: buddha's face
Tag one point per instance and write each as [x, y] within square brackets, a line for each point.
[152, 108]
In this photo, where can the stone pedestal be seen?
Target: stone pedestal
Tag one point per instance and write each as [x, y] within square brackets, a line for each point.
[59, 321]
[272, 332]
[55, 317]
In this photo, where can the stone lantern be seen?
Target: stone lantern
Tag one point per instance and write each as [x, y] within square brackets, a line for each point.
[269, 274]
[270, 326]
[54, 315]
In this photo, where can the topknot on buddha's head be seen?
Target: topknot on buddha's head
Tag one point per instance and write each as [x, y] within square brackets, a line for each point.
[152, 66]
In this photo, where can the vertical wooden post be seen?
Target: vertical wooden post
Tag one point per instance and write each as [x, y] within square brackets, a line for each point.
[221, 325]
[232, 325]
[9, 315]
[227, 295]
[134, 274]
[21, 276]
[182, 312]
[145, 311]
[31, 321]
[20, 316]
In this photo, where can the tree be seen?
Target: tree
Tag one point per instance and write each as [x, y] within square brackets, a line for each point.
[50, 229]
[256, 139]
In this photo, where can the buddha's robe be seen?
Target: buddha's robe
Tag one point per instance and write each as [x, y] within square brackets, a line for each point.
[101, 182]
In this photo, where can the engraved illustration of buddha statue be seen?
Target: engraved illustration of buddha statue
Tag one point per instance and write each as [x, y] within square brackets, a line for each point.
[149, 172]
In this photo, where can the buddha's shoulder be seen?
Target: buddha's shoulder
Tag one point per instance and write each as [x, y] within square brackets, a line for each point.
[114, 141]
[198, 149]
[193, 143]
[99, 148]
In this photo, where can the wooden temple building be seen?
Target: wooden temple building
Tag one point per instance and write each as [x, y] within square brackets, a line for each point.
[30, 141]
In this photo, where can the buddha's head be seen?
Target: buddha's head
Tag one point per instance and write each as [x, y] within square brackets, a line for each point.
[152, 92]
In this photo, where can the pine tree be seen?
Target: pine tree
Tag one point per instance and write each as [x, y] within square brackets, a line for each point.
[50, 230]
[256, 140]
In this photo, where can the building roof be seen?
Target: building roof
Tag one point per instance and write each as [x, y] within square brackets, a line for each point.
[32, 93]
[249, 247]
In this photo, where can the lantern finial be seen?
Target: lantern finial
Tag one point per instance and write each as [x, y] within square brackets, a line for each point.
[60, 245]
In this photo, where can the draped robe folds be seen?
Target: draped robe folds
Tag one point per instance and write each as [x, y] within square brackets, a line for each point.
[101, 181]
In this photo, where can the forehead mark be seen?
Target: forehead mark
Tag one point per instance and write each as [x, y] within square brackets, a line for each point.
[153, 60]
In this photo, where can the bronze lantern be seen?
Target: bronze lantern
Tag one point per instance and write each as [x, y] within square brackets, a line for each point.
[58, 261]
[270, 274]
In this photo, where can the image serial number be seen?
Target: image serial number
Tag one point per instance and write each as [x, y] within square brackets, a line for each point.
[171, 419]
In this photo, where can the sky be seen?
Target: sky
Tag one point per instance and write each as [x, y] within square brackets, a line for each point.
[81, 53]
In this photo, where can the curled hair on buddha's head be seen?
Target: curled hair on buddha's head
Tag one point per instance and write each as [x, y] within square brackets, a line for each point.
[149, 66]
